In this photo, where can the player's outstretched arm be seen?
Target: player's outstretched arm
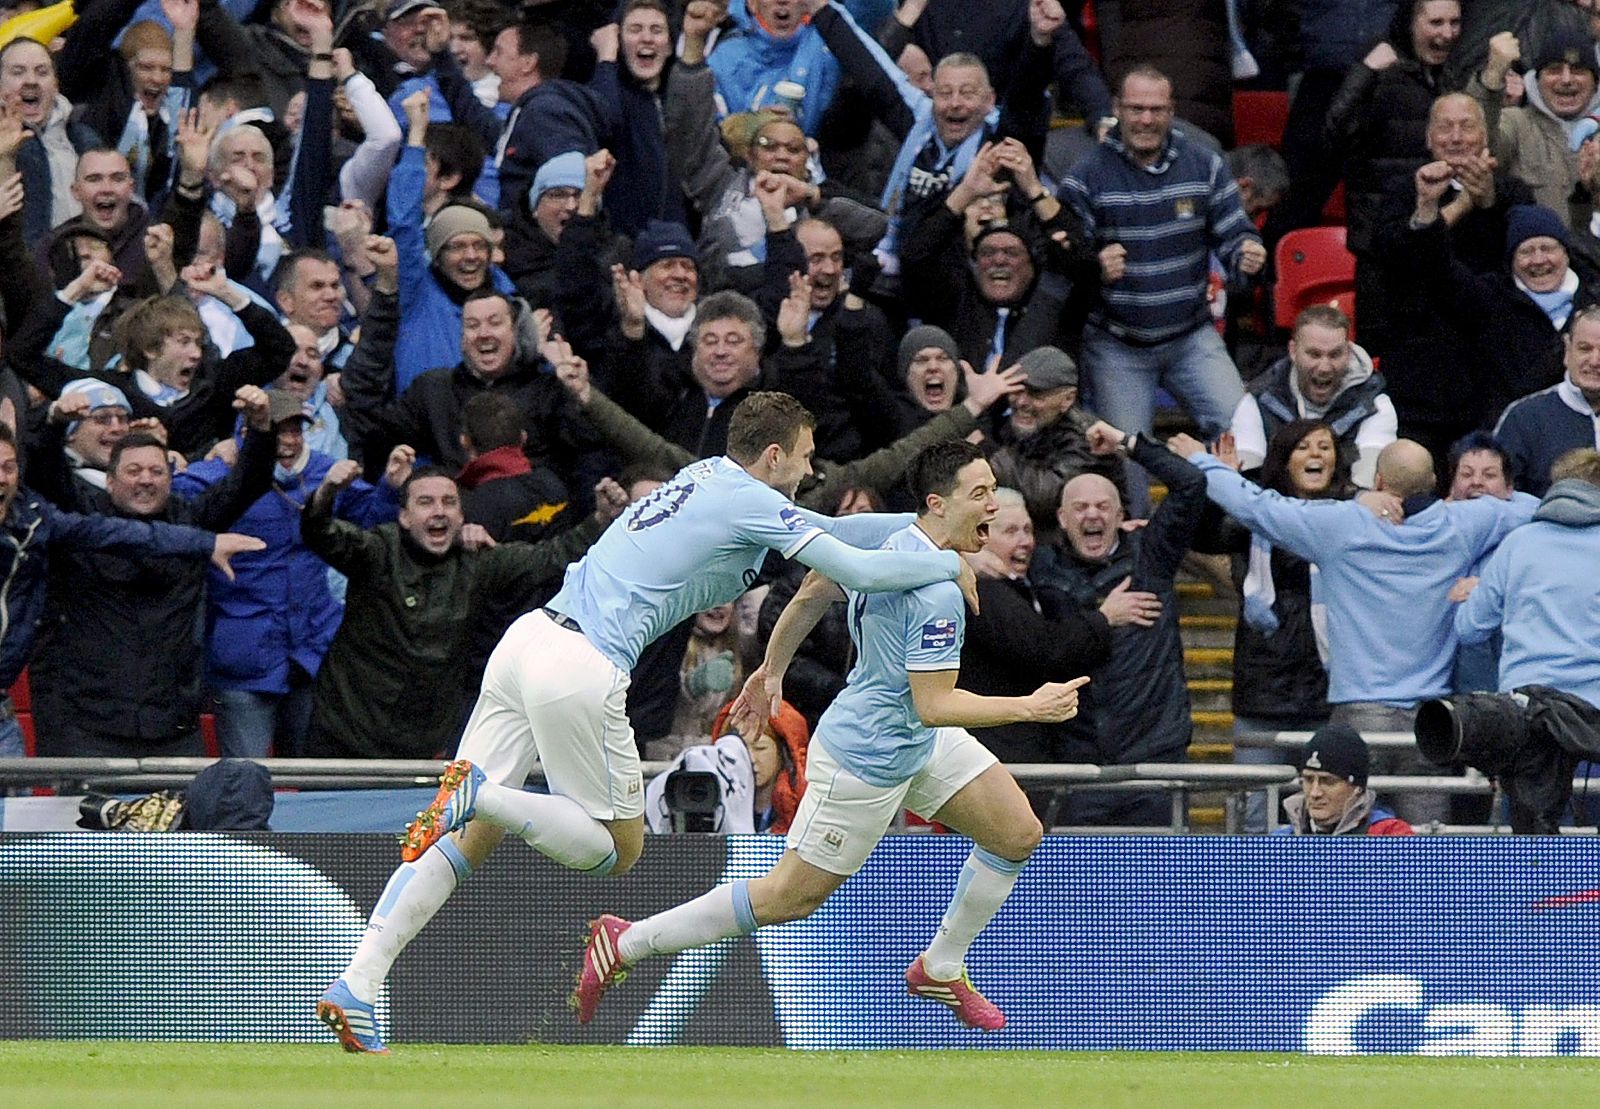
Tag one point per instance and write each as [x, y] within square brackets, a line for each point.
[861, 529]
[941, 705]
[878, 571]
[763, 689]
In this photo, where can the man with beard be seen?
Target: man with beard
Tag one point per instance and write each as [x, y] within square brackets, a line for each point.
[1041, 442]
[1535, 142]
[1158, 207]
[1323, 377]
[1139, 710]
[440, 267]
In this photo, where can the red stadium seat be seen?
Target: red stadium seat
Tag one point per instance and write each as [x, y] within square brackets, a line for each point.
[1333, 211]
[22, 701]
[1260, 117]
[1313, 268]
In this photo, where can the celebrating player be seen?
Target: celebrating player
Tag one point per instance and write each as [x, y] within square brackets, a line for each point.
[892, 739]
[555, 688]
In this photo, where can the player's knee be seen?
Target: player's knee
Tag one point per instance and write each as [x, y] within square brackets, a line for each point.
[628, 851]
[1021, 840]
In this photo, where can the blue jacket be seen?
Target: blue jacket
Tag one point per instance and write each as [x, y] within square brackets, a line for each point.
[279, 608]
[1386, 586]
[31, 527]
[1538, 429]
[1335, 34]
[432, 335]
[748, 62]
[1170, 217]
[1539, 588]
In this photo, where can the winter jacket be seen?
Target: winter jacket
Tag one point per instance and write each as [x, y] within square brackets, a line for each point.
[511, 499]
[1378, 124]
[1360, 413]
[1537, 430]
[1039, 465]
[551, 118]
[121, 655]
[1430, 364]
[642, 188]
[749, 61]
[1519, 349]
[1532, 143]
[278, 612]
[1012, 648]
[1336, 34]
[432, 335]
[1362, 818]
[258, 48]
[32, 528]
[391, 685]
[1138, 710]
[427, 414]
[1538, 589]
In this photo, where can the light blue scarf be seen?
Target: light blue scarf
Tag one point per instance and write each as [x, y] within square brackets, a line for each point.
[1557, 303]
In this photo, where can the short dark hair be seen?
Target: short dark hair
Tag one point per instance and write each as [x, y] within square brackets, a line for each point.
[133, 441]
[489, 292]
[765, 418]
[730, 304]
[1263, 165]
[635, 472]
[545, 41]
[1275, 468]
[486, 18]
[935, 468]
[9, 436]
[491, 421]
[421, 473]
[284, 274]
[1472, 443]
[244, 89]
[631, 6]
[458, 151]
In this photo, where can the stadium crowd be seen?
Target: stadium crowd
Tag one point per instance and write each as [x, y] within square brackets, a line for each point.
[502, 270]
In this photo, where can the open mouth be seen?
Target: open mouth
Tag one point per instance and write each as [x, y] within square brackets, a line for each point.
[983, 533]
[104, 209]
[437, 531]
[935, 389]
[31, 98]
[1315, 469]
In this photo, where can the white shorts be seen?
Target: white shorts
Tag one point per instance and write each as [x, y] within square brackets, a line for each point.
[550, 697]
[841, 818]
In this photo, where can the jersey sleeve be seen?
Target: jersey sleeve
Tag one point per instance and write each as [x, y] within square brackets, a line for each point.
[936, 624]
[766, 518]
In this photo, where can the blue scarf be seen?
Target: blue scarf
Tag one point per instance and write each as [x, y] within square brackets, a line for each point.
[1557, 303]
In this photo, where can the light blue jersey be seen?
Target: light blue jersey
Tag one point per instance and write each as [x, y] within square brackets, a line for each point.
[872, 727]
[699, 541]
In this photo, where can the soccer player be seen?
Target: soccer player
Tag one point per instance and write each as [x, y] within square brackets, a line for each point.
[893, 739]
[555, 687]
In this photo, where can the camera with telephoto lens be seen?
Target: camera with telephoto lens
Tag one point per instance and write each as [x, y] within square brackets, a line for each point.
[1530, 740]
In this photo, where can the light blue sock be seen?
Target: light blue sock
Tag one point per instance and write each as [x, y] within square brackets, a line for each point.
[985, 883]
[723, 912]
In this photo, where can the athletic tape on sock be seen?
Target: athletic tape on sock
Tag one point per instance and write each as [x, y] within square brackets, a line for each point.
[743, 912]
[604, 866]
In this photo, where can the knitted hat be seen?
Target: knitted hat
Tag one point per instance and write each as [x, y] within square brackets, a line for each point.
[453, 220]
[1048, 368]
[1338, 749]
[564, 171]
[660, 240]
[1001, 227]
[1569, 45]
[1532, 221]
[919, 339]
[100, 394]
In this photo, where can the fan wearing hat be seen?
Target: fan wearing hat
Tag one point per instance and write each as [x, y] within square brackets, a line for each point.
[1334, 799]
[1517, 317]
[1538, 141]
[1041, 444]
[535, 225]
[440, 265]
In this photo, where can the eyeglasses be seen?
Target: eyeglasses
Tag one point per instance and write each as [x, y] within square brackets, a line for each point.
[561, 194]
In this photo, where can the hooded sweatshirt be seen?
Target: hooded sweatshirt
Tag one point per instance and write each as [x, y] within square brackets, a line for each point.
[1362, 818]
[1540, 590]
[1532, 142]
[1361, 414]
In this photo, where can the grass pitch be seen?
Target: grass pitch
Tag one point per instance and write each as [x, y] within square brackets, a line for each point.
[259, 1076]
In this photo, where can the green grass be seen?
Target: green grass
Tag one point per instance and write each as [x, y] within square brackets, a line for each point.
[88, 1074]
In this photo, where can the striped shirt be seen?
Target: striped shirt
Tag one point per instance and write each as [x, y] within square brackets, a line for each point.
[1170, 217]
